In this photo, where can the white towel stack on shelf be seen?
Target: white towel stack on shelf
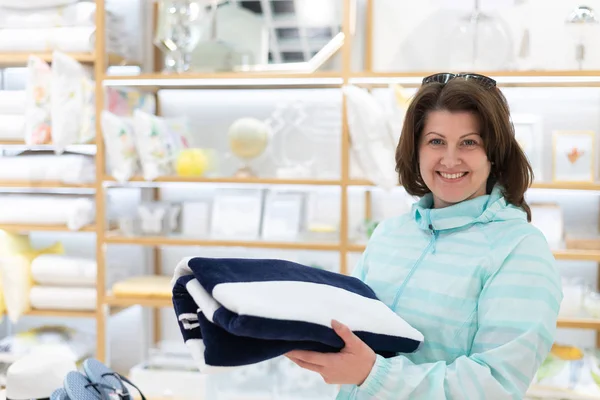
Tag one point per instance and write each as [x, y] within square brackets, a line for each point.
[72, 169]
[63, 283]
[12, 114]
[71, 211]
[63, 25]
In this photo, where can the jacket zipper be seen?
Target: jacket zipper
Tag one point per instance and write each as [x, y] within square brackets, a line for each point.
[431, 244]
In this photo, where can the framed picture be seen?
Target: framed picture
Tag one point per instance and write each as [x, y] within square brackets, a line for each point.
[529, 135]
[573, 156]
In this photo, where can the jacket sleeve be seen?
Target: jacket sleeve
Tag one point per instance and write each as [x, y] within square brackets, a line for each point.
[517, 312]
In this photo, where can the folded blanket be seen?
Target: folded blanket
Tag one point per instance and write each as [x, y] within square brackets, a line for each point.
[235, 312]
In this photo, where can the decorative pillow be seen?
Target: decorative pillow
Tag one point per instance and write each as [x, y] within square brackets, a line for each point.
[72, 102]
[372, 140]
[124, 101]
[119, 139]
[38, 127]
[16, 255]
[235, 312]
[159, 141]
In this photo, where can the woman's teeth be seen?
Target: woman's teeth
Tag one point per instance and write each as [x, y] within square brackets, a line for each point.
[452, 176]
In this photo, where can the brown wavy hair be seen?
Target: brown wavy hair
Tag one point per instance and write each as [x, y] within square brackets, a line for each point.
[510, 167]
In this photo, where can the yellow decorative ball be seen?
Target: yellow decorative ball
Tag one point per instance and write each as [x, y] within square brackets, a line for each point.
[191, 162]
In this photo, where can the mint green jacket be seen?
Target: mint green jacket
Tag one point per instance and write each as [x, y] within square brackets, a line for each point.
[480, 283]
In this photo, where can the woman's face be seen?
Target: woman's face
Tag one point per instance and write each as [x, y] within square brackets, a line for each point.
[452, 159]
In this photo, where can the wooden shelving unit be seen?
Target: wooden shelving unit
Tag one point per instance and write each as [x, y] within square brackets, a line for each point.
[250, 181]
[181, 241]
[158, 81]
[335, 79]
[45, 185]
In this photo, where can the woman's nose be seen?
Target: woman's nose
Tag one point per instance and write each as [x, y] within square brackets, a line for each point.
[450, 159]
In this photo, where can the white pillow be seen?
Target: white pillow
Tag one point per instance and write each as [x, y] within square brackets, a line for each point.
[38, 126]
[371, 137]
[72, 102]
[119, 139]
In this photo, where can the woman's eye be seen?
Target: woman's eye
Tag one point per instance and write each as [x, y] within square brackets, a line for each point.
[470, 142]
[435, 142]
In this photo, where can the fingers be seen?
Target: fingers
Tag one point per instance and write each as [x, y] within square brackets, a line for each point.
[311, 357]
[306, 365]
[344, 332]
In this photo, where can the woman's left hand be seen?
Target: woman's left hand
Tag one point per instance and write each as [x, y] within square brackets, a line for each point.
[351, 365]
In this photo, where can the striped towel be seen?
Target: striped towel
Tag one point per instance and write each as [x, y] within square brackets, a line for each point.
[236, 312]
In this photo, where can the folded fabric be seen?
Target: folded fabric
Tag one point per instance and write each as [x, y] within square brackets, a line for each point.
[235, 312]
[71, 39]
[151, 286]
[12, 102]
[63, 270]
[63, 298]
[76, 14]
[45, 166]
[12, 127]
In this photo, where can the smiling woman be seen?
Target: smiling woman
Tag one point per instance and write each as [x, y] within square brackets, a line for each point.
[452, 160]
[464, 267]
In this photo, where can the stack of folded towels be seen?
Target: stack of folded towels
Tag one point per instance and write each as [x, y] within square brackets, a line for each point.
[63, 283]
[12, 114]
[236, 312]
[63, 25]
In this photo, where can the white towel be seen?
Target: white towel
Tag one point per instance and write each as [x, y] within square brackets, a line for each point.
[66, 168]
[12, 102]
[62, 298]
[78, 14]
[66, 39]
[75, 212]
[12, 127]
[60, 270]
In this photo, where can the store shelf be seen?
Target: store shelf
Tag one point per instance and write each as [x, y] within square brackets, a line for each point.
[44, 184]
[535, 185]
[577, 255]
[357, 247]
[567, 185]
[565, 254]
[115, 238]
[43, 228]
[61, 314]
[579, 323]
[226, 80]
[261, 181]
[13, 59]
[157, 302]
[557, 78]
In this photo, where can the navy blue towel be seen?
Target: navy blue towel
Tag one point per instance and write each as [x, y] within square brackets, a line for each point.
[234, 312]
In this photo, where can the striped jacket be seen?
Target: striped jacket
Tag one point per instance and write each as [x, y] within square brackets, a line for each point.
[482, 286]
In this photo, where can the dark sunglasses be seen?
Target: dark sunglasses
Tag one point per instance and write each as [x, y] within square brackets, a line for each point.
[445, 77]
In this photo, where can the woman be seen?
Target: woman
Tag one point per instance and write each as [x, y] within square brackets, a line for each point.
[465, 266]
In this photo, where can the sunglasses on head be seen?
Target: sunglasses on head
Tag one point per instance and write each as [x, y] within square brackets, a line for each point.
[445, 77]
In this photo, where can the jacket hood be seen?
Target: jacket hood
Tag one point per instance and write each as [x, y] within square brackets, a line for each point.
[480, 210]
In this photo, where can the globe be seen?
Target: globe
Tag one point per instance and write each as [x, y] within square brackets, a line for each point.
[248, 138]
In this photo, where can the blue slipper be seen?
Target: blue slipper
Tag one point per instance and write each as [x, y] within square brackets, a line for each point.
[107, 380]
[79, 387]
[59, 394]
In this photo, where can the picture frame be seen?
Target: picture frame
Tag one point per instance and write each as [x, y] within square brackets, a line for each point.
[573, 156]
[529, 134]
